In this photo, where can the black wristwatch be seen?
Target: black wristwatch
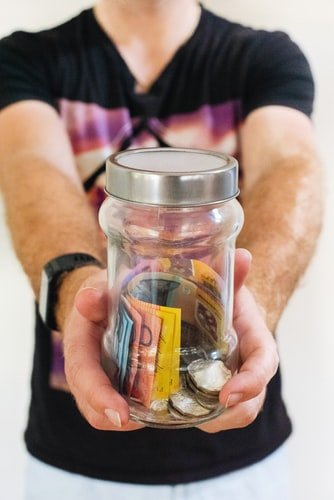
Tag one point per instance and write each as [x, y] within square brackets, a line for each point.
[51, 277]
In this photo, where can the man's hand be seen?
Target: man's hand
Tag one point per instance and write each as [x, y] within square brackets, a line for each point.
[105, 409]
[243, 395]
[98, 401]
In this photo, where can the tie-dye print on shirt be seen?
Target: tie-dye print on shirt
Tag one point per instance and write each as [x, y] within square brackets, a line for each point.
[223, 72]
[96, 132]
[217, 77]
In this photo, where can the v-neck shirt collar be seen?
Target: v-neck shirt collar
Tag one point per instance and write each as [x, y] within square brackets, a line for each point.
[159, 82]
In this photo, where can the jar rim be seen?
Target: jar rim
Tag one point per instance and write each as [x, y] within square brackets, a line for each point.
[172, 176]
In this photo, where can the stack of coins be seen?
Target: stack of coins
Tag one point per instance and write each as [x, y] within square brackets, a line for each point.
[200, 392]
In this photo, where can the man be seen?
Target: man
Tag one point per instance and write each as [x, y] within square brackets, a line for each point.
[148, 73]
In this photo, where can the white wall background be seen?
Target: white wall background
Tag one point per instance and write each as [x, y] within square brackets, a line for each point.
[305, 334]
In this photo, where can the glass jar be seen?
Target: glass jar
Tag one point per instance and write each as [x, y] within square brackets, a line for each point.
[171, 220]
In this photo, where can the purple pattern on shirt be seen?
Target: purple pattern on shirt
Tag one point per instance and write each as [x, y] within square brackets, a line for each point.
[91, 126]
[93, 129]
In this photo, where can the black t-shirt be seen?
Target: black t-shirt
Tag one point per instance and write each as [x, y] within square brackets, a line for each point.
[222, 73]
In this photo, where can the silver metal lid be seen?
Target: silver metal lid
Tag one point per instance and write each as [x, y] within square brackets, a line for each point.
[172, 176]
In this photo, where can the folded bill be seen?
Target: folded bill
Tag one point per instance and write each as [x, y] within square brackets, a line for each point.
[123, 338]
[142, 387]
[132, 364]
[166, 377]
[170, 316]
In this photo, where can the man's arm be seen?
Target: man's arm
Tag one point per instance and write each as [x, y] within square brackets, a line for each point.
[48, 215]
[47, 211]
[282, 196]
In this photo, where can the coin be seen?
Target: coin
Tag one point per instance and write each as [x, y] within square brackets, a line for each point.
[159, 405]
[209, 375]
[184, 403]
[209, 403]
[190, 385]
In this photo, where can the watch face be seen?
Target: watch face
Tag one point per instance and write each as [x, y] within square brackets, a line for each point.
[43, 295]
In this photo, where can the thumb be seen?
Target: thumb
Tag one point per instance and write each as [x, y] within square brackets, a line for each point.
[242, 263]
[92, 303]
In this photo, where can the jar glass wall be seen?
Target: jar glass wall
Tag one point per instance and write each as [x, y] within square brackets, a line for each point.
[170, 346]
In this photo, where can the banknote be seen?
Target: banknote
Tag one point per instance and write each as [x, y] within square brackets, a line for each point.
[208, 279]
[178, 266]
[123, 335]
[142, 387]
[144, 266]
[166, 376]
[134, 347]
[171, 314]
[201, 310]
[153, 287]
[166, 379]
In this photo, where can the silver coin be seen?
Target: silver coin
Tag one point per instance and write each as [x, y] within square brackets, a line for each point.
[184, 402]
[207, 400]
[160, 405]
[209, 403]
[209, 375]
[192, 387]
[176, 414]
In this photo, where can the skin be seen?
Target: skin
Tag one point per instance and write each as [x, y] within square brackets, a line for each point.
[281, 195]
[147, 32]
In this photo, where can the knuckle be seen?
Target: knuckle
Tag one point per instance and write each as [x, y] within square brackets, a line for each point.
[94, 395]
[73, 372]
[90, 396]
[276, 360]
[96, 421]
[259, 381]
[248, 416]
[73, 366]
[211, 429]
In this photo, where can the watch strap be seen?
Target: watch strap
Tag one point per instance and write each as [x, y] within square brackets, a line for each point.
[52, 274]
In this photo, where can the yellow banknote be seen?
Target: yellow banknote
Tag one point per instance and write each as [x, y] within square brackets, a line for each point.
[166, 378]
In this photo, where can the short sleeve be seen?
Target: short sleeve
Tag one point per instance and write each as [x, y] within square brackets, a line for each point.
[277, 73]
[23, 70]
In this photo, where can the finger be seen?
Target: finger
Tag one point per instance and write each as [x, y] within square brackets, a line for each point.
[242, 263]
[237, 417]
[252, 379]
[92, 303]
[258, 353]
[248, 320]
[104, 423]
[87, 380]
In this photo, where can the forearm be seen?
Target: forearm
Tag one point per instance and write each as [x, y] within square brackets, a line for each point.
[283, 213]
[48, 215]
[47, 210]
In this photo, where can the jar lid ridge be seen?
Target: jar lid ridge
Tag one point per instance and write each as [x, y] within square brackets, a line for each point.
[176, 177]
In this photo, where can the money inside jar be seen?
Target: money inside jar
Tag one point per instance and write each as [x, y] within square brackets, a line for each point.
[171, 218]
[185, 403]
[166, 326]
[209, 376]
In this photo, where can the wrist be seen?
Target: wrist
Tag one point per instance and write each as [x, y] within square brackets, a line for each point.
[70, 284]
[60, 273]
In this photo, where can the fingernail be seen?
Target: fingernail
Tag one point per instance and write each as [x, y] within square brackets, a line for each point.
[234, 399]
[113, 417]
